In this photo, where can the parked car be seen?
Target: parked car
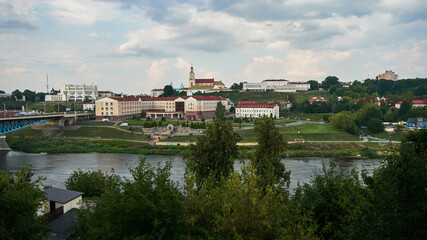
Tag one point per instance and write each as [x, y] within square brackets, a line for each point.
[105, 120]
[124, 124]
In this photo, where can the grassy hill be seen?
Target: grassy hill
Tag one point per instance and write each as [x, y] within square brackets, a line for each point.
[266, 97]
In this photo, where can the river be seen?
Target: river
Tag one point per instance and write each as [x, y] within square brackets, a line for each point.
[57, 167]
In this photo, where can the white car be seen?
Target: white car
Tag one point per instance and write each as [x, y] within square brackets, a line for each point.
[105, 120]
[124, 124]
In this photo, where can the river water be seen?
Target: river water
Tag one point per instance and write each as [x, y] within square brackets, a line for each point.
[57, 167]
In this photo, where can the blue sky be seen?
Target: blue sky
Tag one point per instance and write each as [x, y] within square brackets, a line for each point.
[133, 46]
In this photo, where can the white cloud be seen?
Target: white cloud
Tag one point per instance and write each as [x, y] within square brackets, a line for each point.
[81, 12]
[14, 70]
[85, 74]
[157, 71]
[93, 35]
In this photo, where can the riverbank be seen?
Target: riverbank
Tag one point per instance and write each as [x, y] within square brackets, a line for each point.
[32, 141]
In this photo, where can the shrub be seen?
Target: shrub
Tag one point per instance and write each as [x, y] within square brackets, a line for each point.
[91, 183]
[375, 125]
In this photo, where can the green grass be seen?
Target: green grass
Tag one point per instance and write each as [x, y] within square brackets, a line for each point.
[27, 132]
[317, 117]
[308, 131]
[104, 133]
[53, 107]
[190, 138]
[93, 122]
[268, 97]
[392, 136]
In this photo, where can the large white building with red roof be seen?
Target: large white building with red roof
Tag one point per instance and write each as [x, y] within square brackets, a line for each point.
[248, 109]
[193, 108]
[276, 85]
[415, 103]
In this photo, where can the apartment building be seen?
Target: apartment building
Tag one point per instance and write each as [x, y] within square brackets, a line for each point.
[276, 85]
[388, 75]
[248, 109]
[193, 108]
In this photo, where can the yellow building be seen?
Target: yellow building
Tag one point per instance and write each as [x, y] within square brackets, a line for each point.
[117, 108]
[204, 85]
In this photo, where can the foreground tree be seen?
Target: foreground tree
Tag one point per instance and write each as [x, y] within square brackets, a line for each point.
[92, 183]
[239, 209]
[268, 152]
[214, 153]
[397, 206]
[147, 207]
[346, 121]
[20, 199]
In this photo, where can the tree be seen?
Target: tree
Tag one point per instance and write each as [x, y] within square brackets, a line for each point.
[214, 153]
[168, 91]
[346, 121]
[17, 94]
[375, 125]
[329, 82]
[147, 207]
[405, 107]
[237, 87]
[219, 111]
[397, 193]
[268, 154]
[92, 183]
[368, 112]
[335, 199]
[314, 85]
[20, 199]
[29, 95]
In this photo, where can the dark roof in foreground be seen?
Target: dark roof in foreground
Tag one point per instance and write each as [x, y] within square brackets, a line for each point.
[61, 195]
[60, 227]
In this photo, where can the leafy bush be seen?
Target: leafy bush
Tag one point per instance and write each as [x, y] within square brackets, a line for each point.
[91, 183]
[375, 125]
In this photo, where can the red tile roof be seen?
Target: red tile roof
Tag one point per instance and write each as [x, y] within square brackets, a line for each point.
[299, 83]
[317, 99]
[126, 99]
[255, 105]
[104, 92]
[157, 90]
[424, 101]
[246, 102]
[275, 80]
[206, 80]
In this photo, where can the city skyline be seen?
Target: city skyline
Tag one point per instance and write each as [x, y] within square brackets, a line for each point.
[134, 46]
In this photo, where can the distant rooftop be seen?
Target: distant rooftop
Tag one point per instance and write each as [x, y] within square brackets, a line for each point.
[61, 195]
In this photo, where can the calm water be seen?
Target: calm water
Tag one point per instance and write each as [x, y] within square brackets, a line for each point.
[57, 167]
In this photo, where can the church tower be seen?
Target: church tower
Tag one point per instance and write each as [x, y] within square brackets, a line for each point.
[192, 79]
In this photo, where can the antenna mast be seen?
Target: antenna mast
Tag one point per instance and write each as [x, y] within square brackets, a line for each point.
[47, 83]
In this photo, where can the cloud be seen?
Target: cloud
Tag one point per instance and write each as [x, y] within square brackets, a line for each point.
[14, 70]
[81, 12]
[13, 23]
[93, 35]
[85, 74]
[157, 71]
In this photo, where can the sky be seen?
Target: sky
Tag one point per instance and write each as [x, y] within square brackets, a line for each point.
[133, 46]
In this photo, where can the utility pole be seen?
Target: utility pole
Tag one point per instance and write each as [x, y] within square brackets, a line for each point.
[47, 83]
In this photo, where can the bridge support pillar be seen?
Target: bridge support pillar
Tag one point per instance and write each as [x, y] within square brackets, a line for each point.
[3, 144]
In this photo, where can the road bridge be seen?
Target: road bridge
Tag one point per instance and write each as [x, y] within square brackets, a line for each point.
[10, 124]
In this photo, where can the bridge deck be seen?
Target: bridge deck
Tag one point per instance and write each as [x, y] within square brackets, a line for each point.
[57, 115]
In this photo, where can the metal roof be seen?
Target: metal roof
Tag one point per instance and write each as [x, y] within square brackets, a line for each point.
[61, 195]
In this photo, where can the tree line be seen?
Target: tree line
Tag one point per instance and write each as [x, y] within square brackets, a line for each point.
[218, 202]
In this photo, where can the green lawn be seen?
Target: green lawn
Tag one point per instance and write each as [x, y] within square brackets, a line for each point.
[268, 97]
[190, 138]
[317, 117]
[27, 132]
[104, 133]
[93, 122]
[392, 136]
[308, 131]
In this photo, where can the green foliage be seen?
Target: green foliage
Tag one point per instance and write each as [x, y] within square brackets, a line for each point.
[330, 81]
[314, 85]
[268, 152]
[375, 125]
[168, 91]
[147, 207]
[20, 199]
[335, 199]
[214, 152]
[397, 193]
[219, 111]
[368, 112]
[92, 183]
[346, 121]
[238, 209]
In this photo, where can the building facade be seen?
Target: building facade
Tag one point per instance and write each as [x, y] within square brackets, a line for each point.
[102, 94]
[156, 92]
[276, 85]
[388, 75]
[193, 108]
[248, 109]
[74, 93]
[204, 85]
